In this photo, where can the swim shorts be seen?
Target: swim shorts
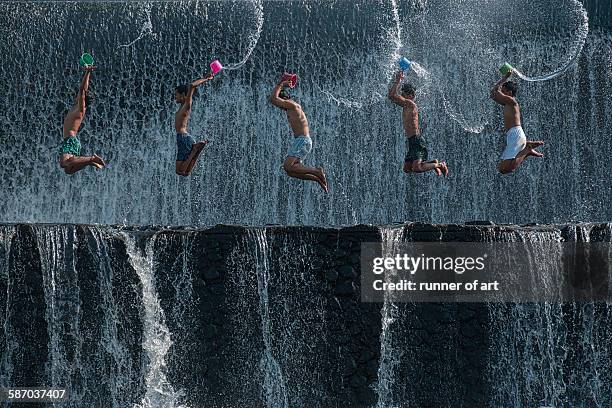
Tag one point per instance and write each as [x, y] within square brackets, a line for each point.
[416, 149]
[70, 145]
[515, 142]
[184, 143]
[302, 145]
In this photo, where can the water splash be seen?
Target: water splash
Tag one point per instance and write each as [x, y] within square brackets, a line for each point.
[575, 51]
[157, 339]
[145, 30]
[369, 96]
[253, 38]
[432, 81]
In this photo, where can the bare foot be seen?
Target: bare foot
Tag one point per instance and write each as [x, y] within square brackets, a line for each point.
[534, 153]
[322, 179]
[97, 162]
[198, 146]
[444, 169]
[534, 144]
[437, 170]
[530, 149]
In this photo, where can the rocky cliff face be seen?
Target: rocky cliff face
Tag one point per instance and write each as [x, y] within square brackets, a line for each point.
[271, 317]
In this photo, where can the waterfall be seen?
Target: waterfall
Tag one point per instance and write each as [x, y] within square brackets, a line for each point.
[63, 313]
[87, 355]
[274, 388]
[157, 339]
[272, 317]
[389, 356]
[342, 50]
[120, 374]
[8, 344]
[534, 344]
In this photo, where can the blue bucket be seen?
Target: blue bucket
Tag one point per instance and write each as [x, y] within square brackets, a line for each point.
[404, 63]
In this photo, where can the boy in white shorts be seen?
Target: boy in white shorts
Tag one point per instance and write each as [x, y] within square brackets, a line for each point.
[517, 146]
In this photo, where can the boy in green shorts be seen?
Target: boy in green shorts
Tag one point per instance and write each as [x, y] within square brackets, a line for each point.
[70, 158]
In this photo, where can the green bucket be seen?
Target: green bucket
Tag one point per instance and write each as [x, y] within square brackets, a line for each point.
[86, 60]
[505, 68]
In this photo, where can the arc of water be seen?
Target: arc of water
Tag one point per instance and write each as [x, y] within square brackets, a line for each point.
[398, 32]
[253, 39]
[421, 72]
[145, 30]
[583, 32]
[396, 38]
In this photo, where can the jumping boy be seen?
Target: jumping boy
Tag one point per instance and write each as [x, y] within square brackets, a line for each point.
[416, 147]
[302, 143]
[188, 150]
[517, 147]
[70, 158]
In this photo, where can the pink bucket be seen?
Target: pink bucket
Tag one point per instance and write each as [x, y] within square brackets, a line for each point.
[292, 78]
[216, 67]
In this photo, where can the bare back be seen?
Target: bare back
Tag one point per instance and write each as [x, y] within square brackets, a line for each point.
[410, 118]
[72, 121]
[297, 120]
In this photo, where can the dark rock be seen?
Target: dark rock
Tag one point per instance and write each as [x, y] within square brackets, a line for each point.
[345, 289]
[347, 271]
[211, 273]
[358, 381]
[488, 223]
[331, 275]
[209, 331]
[372, 369]
[355, 259]
[365, 356]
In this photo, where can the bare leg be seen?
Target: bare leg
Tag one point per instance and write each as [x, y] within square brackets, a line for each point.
[407, 167]
[296, 169]
[193, 157]
[72, 164]
[97, 161]
[508, 166]
[180, 167]
[439, 168]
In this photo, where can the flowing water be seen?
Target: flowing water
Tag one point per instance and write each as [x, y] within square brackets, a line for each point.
[157, 339]
[274, 384]
[344, 52]
[389, 355]
[185, 319]
[189, 318]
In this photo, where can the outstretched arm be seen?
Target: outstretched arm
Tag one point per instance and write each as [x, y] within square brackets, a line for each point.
[192, 88]
[498, 96]
[83, 89]
[277, 100]
[394, 90]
